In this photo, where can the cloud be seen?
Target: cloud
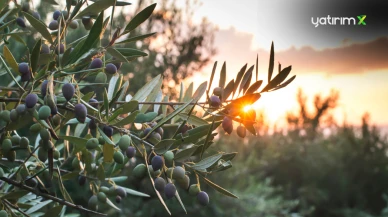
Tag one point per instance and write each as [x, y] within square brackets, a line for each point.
[235, 48]
[351, 58]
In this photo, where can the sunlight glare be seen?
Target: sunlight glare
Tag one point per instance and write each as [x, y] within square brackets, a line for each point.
[247, 108]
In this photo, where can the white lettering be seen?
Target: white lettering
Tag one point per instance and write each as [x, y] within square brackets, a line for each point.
[333, 21]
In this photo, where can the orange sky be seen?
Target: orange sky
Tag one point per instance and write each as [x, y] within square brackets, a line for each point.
[357, 68]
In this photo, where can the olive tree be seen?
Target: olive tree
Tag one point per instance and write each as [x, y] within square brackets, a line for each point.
[52, 130]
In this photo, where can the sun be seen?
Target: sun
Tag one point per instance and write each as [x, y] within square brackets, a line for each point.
[247, 108]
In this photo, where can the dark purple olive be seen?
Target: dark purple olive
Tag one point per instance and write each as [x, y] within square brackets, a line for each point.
[160, 184]
[160, 131]
[36, 15]
[21, 109]
[53, 25]
[80, 112]
[95, 64]
[146, 131]
[110, 68]
[31, 100]
[68, 91]
[93, 102]
[121, 192]
[24, 68]
[20, 22]
[61, 49]
[130, 152]
[43, 88]
[156, 136]
[56, 15]
[108, 131]
[118, 199]
[86, 20]
[81, 180]
[157, 162]
[170, 190]
[25, 77]
[215, 101]
[92, 124]
[203, 198]
[54, 110]
[227, 125]
[31, 182]
[45, 49]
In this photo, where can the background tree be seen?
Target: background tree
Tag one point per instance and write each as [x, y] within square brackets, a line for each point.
[179, 48]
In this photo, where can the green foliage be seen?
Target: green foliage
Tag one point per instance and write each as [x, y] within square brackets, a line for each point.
[340, 174]
[74, 138]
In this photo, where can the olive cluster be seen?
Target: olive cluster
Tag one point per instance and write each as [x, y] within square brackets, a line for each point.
[110, 68]
[156, 135]
[11, 144]
[102, 195]
[166, 176]
[25, 72]
[124, 147]
[227, 123]
[26, 8]
[54, 24]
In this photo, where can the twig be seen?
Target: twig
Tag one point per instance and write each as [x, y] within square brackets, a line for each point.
[15, 207]
[2, 99]
[22, 162]
[47, 196]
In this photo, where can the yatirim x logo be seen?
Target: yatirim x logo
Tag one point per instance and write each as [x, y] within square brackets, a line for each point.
[361, 19]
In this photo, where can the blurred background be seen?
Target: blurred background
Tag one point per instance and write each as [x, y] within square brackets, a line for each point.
[322, 146]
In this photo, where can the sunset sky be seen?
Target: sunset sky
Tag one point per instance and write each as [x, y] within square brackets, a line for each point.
[352, 61]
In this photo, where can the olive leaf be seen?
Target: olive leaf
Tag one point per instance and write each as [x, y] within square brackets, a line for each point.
[35, 55]
[218, 188]
[246, 80]
[136, 38]
[271, 63]
[39, 26]
[10, 59]
[239, 76]
[95, 8]
[279, 78]
[115, 53]
[127, 120]
[139, 18]
[170, 116]
[163, 146]
[206, 162]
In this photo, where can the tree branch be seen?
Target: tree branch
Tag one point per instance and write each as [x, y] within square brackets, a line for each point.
[15, 207]
[47, 196]
[2, 99]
